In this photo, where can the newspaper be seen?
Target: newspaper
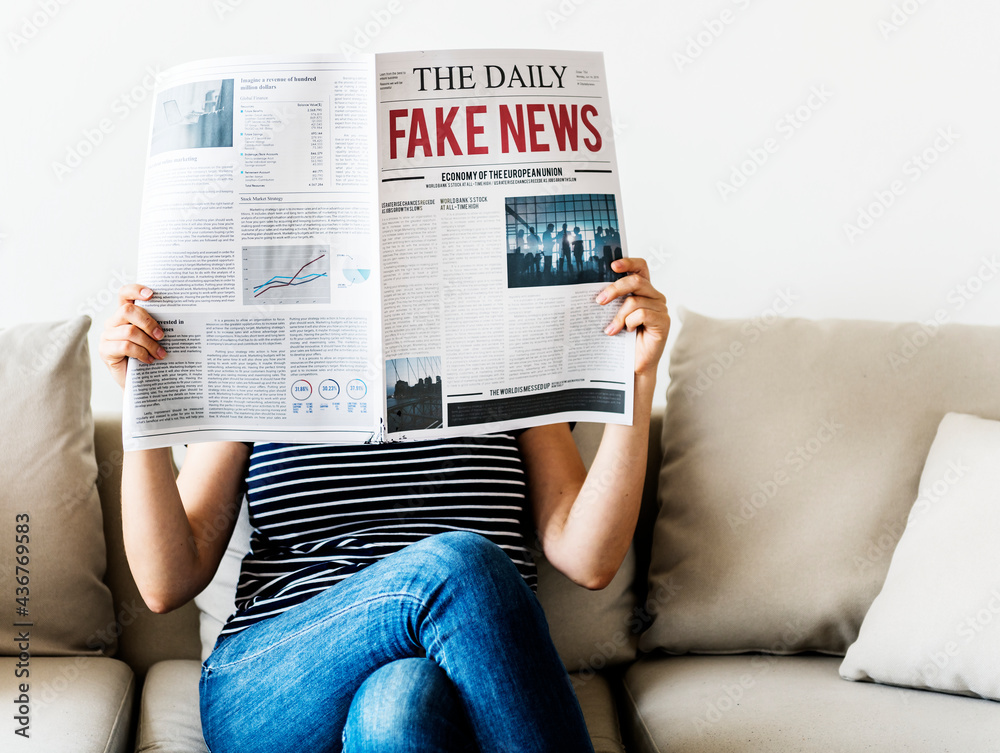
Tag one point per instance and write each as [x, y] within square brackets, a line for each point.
[379, 248]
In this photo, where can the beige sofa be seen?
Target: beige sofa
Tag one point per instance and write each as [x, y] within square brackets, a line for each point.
[719, 671]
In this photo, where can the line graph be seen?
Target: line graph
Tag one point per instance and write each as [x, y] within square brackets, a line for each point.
[286, 274]
[293, 280]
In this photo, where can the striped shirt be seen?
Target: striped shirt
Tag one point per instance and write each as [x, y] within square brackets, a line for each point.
[320, 513]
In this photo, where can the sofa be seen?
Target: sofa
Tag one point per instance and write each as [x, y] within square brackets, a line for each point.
[779, 516]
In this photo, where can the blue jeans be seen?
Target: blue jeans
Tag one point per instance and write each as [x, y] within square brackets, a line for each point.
[440, 646]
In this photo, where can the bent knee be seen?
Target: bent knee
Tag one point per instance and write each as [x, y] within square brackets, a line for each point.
[468, 564]
[461, 545]
[396, 699]
[404, 682]
[462, 551]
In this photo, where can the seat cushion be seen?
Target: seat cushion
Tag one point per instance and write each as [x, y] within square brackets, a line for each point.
[170, 720]
[169, 715]
[593, 691]
[767, 703]
[76, 704]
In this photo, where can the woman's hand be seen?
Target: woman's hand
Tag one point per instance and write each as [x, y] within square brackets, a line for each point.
[130, 331]
[643, 310]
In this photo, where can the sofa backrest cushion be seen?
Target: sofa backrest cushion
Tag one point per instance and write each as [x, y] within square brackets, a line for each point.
[50, 513]
[591, 629]
[792, 454]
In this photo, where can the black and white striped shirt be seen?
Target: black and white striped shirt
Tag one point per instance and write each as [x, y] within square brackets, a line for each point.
[323, 512]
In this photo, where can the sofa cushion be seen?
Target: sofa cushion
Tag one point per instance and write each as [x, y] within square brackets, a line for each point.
[170, 719]
[590, 629]
[48, 488]
[597, 702]
[169, 715]
[79, 704]
[792, 453]
[763, 703]
[936, 622]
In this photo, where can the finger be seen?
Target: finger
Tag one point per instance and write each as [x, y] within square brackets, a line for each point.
[634, 264]
[130, 313]
[133, 292]
[649, 319]
[128, 340]
[656, 314]
[633, 284]
[114, 352]
[132, 333]
[617, 323]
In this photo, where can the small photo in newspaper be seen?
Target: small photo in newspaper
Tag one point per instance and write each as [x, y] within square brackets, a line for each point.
[413, 393]
[193, 116]
[561, 240]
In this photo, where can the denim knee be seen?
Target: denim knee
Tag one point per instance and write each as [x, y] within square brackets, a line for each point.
[388, 702]
[403, 706]
[475, 574]
[461, 551]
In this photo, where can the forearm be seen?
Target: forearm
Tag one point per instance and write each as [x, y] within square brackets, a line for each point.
[598, 528]
[158, 539]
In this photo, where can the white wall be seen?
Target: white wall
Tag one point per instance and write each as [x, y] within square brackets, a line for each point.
[886, 93]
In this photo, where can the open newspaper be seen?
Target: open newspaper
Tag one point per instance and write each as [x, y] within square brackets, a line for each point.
[375, 248]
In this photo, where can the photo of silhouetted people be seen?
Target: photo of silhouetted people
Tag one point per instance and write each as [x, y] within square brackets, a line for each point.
[580, 251]
[413, 393]
[193, 116]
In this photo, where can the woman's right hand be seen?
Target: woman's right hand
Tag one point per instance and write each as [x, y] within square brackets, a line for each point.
[130, 331]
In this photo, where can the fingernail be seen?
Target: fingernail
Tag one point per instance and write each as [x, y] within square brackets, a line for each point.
[602, 297]
[161, 353]
[145, 292]
[157, 333]
[609, 329]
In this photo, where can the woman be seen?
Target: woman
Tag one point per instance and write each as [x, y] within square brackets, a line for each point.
[439, 645]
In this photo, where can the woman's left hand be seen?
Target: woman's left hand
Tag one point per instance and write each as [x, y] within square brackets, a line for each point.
[644, 309]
